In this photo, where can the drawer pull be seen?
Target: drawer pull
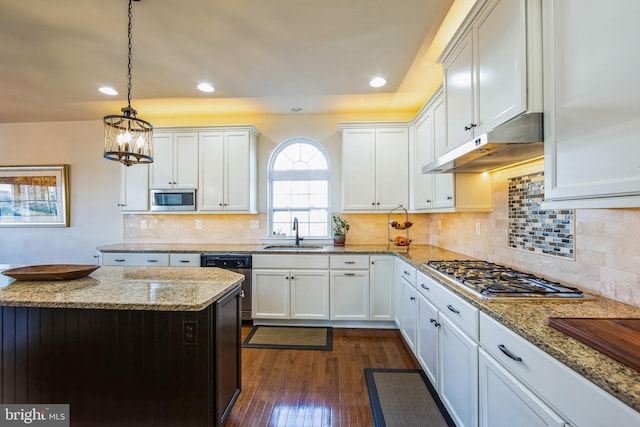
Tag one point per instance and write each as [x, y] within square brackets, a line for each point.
[406, 272]
[450, 307]
[185, 261]
[435, 323]
[508, 353]
[423, 286]
[119, 260]
[152, 260]
[349, 262]
[349, 274]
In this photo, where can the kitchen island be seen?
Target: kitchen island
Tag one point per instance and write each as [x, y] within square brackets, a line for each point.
[126, 346]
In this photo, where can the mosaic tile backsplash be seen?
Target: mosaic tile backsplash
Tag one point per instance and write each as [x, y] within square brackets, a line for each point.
[533, 229]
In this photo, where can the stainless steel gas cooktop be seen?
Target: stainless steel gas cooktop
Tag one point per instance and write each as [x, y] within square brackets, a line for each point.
[493, 281]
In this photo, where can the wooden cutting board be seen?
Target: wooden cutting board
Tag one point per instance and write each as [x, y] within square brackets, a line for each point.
[618, 338]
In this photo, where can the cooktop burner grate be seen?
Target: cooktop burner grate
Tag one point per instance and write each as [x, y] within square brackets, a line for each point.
[492, 280]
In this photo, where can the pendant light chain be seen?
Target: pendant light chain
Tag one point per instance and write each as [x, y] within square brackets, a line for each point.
[128, 139]
[130, 46]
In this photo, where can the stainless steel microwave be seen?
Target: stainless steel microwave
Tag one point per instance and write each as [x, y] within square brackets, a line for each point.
[173, 200]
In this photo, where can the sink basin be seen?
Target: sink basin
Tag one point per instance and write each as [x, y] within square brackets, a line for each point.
[293, 248]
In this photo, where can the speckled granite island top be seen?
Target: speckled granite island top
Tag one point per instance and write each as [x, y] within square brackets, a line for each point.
[125, 288]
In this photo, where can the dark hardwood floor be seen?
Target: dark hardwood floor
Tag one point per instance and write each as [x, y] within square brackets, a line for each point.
[316, 388]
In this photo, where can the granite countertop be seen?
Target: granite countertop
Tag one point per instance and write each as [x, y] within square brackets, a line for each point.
[527, 318]
[125, 288]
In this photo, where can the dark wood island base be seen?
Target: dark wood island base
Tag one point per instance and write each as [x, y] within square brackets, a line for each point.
[125, 367]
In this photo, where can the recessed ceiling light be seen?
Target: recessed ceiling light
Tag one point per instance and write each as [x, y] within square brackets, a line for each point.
[377, 82]
[296, 109]
[206, 87]
[108, 90]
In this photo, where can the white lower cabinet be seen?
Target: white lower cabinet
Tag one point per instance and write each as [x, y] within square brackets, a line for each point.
[350, 295]
[458, 374]
[428, 339]
[578, 401]
[290, 294]
[447, 348]
[504, 400]
[406, 302]
[381, 287]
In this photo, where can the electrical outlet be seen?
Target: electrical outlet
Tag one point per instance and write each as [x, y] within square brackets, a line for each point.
[254, 224]
[198, 224]
[477, 228]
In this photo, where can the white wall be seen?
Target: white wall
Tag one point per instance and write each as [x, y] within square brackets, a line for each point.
[94, 192]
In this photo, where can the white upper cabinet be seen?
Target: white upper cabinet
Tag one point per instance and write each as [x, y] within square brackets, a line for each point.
[175, 160]
[134, 188]
[375, 162]
[492, 69]
[227, 171]
[592, 103]
[442, 192]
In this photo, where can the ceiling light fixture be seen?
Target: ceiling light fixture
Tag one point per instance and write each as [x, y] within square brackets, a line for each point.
[127, 139]
[108, 90]
[205, 87]
[296, 109]
[377, 82]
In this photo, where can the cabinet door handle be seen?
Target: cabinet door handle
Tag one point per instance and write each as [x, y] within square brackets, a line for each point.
[470, 126]
[406, 272]
[506, 351]
[435, 322]
[450, 307]
[412, 298]
[449, 197]
[423, 286]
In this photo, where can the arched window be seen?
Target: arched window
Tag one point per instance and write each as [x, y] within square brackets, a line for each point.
[299, 188]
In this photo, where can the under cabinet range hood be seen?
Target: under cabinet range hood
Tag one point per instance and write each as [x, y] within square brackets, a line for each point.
[518, 140]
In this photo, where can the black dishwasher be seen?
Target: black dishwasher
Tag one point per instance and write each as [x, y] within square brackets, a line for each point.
[240, 263]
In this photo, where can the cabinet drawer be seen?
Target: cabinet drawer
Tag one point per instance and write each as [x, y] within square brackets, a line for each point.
[426, 285]
[348, 262]
[136, 259]
[460, 312]
[184, 260]
[406, 271]
[579, 400]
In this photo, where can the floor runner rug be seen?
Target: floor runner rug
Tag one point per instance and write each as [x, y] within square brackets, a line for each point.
[404, 397]
[284, 337]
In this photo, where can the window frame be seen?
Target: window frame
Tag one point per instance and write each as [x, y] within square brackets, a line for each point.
[302, 175]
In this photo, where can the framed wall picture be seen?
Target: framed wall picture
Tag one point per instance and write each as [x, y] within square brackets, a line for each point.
[34, 196]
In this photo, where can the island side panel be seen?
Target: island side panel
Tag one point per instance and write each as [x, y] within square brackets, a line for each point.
[113, 367]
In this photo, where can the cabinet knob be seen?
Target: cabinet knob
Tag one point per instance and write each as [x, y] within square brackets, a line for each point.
[121, 204]
[435, 322]
[428, 201]
[412, 298]
[449, 197]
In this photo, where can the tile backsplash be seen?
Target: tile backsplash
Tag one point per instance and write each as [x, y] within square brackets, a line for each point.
[533, 229]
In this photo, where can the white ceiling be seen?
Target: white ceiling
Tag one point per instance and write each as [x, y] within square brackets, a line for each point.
[262, 56]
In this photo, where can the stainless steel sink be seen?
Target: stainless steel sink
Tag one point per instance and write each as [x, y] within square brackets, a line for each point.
[293, 248]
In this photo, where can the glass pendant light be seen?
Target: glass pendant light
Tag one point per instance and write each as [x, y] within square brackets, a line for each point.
[128, 139]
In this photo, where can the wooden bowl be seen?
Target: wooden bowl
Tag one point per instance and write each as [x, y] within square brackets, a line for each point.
[51, 272]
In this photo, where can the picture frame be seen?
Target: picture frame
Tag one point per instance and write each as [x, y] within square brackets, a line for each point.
[34, 196]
